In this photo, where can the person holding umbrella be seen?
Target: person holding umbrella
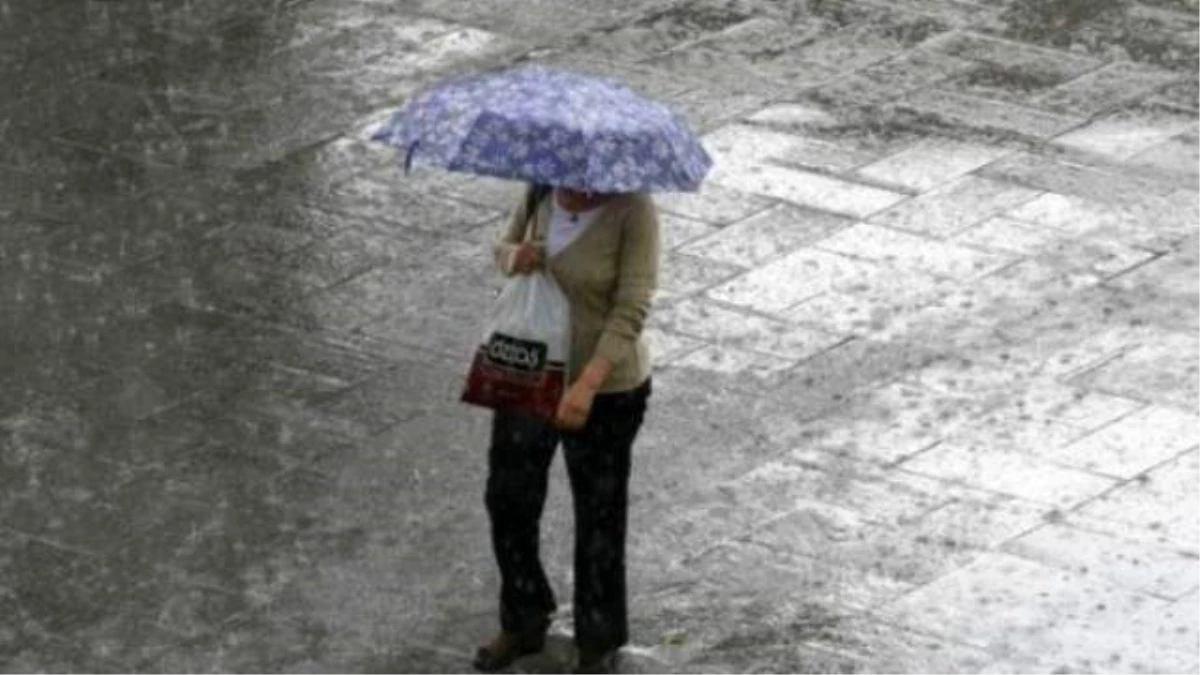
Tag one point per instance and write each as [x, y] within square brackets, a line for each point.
[591, 151]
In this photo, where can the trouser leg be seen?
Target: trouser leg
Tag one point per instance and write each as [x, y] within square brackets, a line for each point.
[598, 462]
[519, 458]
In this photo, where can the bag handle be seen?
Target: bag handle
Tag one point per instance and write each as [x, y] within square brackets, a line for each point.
[537, 192]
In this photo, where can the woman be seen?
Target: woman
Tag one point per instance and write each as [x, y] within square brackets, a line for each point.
[603, 251]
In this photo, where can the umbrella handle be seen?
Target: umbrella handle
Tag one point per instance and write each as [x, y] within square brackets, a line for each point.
[408, 157]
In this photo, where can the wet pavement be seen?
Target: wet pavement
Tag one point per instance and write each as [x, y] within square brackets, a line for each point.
[927, 384]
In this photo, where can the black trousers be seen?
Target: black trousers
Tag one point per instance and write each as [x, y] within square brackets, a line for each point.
[598, 461]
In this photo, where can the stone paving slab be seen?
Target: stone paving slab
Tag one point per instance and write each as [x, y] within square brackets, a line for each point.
[1177, 154]
[1066, 599]
[904, 251]
[1143, 510]
[928, 164]
[767, 235]
[792, 279]
[955, 206]
[1074, 179]
[683, 274]
[731, 328]
[1005, 235]
[679, 231]
[1148, 372]
[1123, 136]
[1181, 96]
[1009, 472]
[1159, 571]
[1109, 86]
[810, 189]
[970, 110]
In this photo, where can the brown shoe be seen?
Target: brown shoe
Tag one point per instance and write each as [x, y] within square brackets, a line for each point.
[506, 648]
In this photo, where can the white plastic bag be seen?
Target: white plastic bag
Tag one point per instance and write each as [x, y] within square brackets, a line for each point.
[520, 365]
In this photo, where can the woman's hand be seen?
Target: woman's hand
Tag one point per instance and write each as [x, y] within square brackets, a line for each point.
[576, 404]
[526, 259]
[575, 407]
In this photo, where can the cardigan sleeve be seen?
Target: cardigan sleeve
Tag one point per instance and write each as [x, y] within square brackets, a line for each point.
[637, 281]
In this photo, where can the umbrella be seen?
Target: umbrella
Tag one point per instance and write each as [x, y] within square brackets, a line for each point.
[550, 126]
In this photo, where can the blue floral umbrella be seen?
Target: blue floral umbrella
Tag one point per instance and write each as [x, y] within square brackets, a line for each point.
[549, 126]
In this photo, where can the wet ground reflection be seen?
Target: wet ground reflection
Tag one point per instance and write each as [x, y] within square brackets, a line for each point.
[151, 469]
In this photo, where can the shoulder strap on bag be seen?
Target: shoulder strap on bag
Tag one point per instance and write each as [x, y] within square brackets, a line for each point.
[537, 192]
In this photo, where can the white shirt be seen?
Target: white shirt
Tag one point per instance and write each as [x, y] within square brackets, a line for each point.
[565, 227]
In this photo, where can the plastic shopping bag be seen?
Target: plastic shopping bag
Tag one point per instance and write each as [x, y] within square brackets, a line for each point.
[520, 365]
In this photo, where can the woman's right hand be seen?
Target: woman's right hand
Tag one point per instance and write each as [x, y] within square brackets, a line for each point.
[526, 259]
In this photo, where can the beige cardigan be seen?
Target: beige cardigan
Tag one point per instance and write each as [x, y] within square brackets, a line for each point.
[609, 274]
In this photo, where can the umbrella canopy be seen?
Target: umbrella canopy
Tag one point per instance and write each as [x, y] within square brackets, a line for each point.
[550, 126]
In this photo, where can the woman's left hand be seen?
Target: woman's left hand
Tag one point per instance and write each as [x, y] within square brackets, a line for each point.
[575, 407]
